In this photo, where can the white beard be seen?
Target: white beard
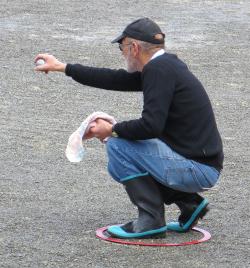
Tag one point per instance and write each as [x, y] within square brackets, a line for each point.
[132, 64]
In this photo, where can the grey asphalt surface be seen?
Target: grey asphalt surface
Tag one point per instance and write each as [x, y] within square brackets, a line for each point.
[49, 207]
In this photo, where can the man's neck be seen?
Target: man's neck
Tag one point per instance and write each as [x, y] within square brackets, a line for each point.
[146, 57]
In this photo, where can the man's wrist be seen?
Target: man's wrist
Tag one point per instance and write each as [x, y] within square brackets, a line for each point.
[61, 67]
[113, 132]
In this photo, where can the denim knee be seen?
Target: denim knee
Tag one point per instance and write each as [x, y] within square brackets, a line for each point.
[120, 160]
[114, 158]
[112, 148]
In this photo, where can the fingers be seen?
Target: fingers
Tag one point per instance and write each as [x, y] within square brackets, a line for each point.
[88, 136]
[90, 133]
[101, 120]
[51, 64]
[44, 67]
[99, 129]
[43, 56]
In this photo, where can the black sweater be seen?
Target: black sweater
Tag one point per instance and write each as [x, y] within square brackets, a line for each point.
[176, 107]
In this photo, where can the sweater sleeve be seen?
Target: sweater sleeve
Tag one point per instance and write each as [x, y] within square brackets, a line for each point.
[104, 78]
[158, 90]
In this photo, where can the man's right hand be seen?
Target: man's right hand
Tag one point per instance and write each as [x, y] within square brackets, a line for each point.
[51, 64]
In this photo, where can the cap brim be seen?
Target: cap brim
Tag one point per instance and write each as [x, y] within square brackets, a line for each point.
[118, 39]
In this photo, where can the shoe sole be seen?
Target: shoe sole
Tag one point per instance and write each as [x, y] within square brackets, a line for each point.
[156, 236]
[118, 232]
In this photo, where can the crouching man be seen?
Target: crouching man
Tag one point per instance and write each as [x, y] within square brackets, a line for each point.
[174, 150]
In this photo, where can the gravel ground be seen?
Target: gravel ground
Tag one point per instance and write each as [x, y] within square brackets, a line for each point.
[49, 207]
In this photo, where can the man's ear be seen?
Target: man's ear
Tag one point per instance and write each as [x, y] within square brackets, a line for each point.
[136, 49]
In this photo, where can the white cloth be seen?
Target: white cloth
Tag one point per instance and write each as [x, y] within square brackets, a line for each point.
[158, 53]
[75, 151]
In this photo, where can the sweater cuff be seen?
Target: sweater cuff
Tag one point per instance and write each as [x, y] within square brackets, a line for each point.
[68, 69]
[115, 128]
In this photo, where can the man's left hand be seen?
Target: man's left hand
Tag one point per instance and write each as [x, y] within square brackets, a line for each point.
[101, 130]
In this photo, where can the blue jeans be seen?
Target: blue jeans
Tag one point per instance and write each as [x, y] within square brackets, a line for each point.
[130, 159]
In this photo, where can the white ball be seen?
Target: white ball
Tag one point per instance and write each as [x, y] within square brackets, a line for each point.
[40, 62]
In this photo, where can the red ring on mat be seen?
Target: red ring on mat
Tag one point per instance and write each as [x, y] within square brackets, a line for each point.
[100, 234]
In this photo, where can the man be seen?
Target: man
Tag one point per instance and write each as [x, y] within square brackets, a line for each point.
[174, 150]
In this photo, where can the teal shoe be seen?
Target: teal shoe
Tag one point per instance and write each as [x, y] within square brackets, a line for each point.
[197, 213]
[118, 231]
[145, 195]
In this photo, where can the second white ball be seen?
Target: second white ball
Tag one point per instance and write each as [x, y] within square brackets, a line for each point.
[40, 62]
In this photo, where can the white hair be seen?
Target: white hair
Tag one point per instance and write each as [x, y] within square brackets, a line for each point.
[146, 47]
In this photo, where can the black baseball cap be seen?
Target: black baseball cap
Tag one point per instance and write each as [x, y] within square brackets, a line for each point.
[143, 29]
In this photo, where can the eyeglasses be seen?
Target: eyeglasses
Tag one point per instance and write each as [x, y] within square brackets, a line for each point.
[121, 46]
